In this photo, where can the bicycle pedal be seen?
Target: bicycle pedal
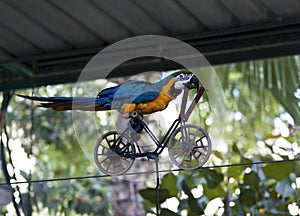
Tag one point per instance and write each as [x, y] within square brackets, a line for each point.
[152, 156]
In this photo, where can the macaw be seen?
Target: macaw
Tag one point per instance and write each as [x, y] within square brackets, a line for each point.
[129, 96]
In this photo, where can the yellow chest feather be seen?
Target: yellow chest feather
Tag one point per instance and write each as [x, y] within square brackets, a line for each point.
[160, 103]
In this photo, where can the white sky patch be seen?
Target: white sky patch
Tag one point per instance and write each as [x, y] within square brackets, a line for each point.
[21, 162]
[294, 209]
[171, 204]
[19, 156]
[198, 191]
[298, 182]
[214, 207]
[208, 121]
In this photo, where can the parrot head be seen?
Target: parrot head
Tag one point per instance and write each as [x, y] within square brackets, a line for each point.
[188, 80]
[181, 80]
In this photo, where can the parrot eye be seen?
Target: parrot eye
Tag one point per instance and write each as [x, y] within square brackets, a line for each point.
[181, 77]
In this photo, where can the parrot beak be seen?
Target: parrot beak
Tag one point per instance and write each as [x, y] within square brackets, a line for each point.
[194, 83]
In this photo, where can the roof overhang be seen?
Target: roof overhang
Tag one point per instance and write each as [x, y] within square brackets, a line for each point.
[264, 37]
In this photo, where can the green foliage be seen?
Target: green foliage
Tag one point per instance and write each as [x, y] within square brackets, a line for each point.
[259, 191]
[252, 179]
[277, 76]
[212, 177]
[167, 212]
[284, 188]
[168, 183]
[256, 92]
[279, 171]
[259, 92]
[48, 136]
[150, 194]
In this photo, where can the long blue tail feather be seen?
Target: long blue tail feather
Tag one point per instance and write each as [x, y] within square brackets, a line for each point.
[72, 103]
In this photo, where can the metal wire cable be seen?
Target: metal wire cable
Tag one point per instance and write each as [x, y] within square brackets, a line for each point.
[149, 172]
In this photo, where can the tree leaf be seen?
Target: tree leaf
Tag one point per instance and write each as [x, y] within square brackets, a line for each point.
[236, 149]
[218, 154]
[279, 171]
[213, 178]
[167, 212]
[284, 188]
[150, 194]
[252, 180]
[212, 193]
[195, 206]
[239, 208]
[244, 160]
[247, 197]
[169, 182]
[234, 171]
[183, 205]
[186, 188]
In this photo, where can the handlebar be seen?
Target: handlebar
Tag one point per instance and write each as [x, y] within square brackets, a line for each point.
[184, 115]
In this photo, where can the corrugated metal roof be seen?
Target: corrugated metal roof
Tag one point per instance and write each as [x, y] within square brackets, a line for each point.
[50, 33]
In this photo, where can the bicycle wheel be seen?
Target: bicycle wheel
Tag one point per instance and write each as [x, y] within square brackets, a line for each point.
[189, 147]
[110, 154]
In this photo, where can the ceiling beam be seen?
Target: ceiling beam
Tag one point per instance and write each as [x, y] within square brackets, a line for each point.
[232, 45]
[10, 64]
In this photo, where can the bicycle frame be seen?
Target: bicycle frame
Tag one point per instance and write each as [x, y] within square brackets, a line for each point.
[183, 117]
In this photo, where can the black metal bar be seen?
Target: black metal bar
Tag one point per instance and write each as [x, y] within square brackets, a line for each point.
[170, 131]
[151, 135]
[157, 188]
[151, 155]
[168, 136]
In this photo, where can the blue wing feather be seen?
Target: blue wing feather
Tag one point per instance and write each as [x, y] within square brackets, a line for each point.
[134, 91]
[146, 96]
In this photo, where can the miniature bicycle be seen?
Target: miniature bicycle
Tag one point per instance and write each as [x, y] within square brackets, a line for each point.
[189, 145]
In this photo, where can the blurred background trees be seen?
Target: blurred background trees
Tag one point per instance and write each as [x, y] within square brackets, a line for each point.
[261, 100]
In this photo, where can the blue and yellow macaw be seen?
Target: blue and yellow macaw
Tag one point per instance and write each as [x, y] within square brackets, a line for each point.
[129, 96]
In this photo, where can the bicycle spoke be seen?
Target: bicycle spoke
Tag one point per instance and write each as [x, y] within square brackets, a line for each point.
[185, 134]
[107, 141]
[106, 158]
[200, 139]
[184, 159]
[101, 154]
[178, 155]
[104, 147]
[180, 148]
[196, 135]
[125, 160]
